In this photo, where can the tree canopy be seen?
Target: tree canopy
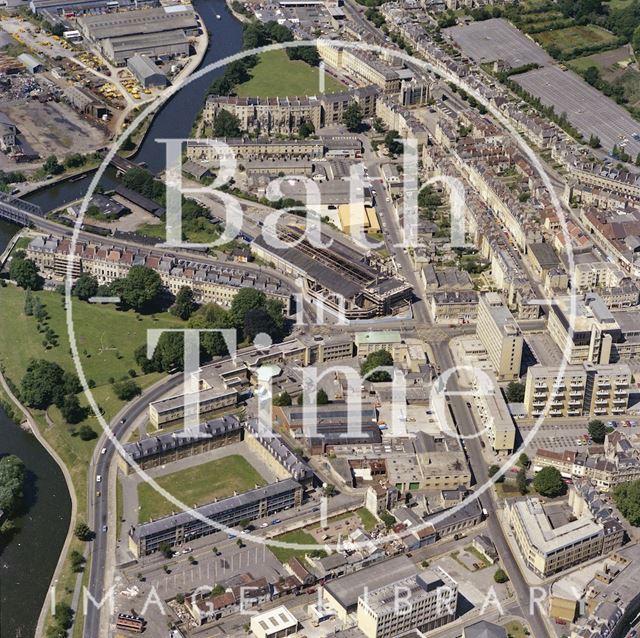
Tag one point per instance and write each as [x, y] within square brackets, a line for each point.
[374, 360]
[85, 287]
[627, 499]
[515, 392]
[225, 124]
[597, 430]
[352, 117]
[548, 482]
[12, 475]
[139, 288]
[184, 305]
[45, 383]
[25, 273]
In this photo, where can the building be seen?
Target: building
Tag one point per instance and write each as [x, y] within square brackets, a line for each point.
[430, 601]
[8, 133]
[211, 283]
[273, 116]
[158, 32]
[177, 529]
[372, 341]
[69, 8]
[494, 413]
[173, 446]
[32, 64]
[595, 329]
[356, 219]
[552, 540]
[484, 629]
[146, 72]
[454, 306]
[581, 389]
[342, 594]
[500, 335]
[618, 463]
[246, 148]
[274, 623]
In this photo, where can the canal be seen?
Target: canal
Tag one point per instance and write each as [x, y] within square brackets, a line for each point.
[27, 562]
[176, 116]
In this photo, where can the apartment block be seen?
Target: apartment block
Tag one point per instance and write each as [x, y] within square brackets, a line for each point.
[584, 328]
[423, 601]
[500, 335]
[578, 390]
[495, 415]
[553, 537]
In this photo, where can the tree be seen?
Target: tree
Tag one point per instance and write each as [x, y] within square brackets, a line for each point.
[83, 531]
[140, 287]
[87, 433]
[86, 287]
[322, 397]
[77, 560]
[500, 576]
[393, 143]
[165, 549]
[352, 117]
[306, 128]
[184, 305]
[594, 141]
[169, 352]
[282, 399]
[515, 392]
[548, 482]
[52, 166]
[25, 273]
[521, 481]
[627, 499]
[12, 476]
[591, 75]
[28, 303]
[226, 124]
[246, 299]
[211, 316]
[257, 321]
[126, 390]
[71, 410]
[388, 519]
[523, 460]
[45, 383]
[635, 40]
[180, 598]
[374, 360]
[597, 430]
[493, 470]
[329, 489]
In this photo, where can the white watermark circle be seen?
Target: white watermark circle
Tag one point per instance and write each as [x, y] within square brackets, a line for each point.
[140, 118]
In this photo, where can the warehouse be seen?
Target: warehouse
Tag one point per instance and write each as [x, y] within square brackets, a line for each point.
[173, 44]
[32, 65]
[146, 72]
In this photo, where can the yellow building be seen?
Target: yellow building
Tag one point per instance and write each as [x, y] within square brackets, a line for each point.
[358, 216]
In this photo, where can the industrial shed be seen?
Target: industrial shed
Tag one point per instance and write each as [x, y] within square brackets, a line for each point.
[146, 71]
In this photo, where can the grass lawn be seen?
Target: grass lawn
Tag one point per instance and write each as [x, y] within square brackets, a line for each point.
[106, 339]
[283, 554]
[367, 519]
[507, 489]
[197, 231]
[573, 37]
[515, 629]
[198, 485]
[277, 76]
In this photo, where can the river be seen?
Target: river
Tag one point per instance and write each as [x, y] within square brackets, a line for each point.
[28, 560]
[176, 116]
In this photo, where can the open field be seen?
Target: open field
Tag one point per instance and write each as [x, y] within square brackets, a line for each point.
[587, 109]
[515, 629]
[575, 37]
[277, 76]
[368, 520]
[283, 554]
[498, 39]
[611, 64]
[106, 337]
[198, 485]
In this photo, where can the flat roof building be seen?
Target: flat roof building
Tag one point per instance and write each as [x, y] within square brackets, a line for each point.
[274, 623]
[494, 412]
[500, 335]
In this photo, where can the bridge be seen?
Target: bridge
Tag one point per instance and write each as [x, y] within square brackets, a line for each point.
[17, 210]
[122, 165]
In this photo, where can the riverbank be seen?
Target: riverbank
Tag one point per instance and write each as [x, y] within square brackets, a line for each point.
[238, 16]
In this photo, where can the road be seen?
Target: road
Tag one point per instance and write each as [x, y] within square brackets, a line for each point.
[98, 506]
[466, 427]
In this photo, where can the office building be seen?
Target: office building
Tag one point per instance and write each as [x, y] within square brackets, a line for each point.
[582, 389]
[551, 539]
[494, 413]
[595, 329]
[500, 335]
[422, 601]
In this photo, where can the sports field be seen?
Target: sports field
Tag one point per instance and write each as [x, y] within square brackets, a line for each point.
[278, 76]
[198, 485]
